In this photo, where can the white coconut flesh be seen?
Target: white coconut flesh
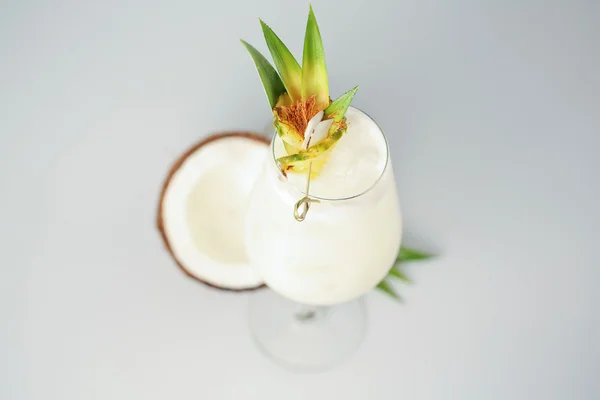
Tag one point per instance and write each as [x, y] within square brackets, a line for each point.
[203, 210]
[316, 130]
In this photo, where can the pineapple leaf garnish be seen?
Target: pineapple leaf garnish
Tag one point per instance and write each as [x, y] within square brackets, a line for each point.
[286, 64]
[407, 254]
[314, 69]
[387, 288]
[338, 108]
[396, 273]
[404, 255]
[335, 111]
[271, 81]
[296, 94]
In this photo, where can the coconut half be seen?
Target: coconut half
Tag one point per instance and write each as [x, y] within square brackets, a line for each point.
[202, 207]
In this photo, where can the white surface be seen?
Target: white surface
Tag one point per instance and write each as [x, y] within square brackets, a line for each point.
[492, 115]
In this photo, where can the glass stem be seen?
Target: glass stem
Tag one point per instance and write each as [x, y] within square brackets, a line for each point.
[306, 313]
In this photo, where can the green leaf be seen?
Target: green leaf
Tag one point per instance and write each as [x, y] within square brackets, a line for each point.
[387, 288]
[337, 109]
[407, 254]
[396, 273]
[286, 64]
[314, 69]
[271, 81]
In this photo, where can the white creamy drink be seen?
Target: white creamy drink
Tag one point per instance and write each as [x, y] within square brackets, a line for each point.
[349, 239]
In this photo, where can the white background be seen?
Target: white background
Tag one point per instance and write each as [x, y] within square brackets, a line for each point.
[492, 112]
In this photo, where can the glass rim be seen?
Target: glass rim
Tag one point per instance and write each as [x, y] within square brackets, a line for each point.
[336, 199]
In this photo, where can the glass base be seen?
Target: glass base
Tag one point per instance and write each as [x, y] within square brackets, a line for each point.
[305, 338]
